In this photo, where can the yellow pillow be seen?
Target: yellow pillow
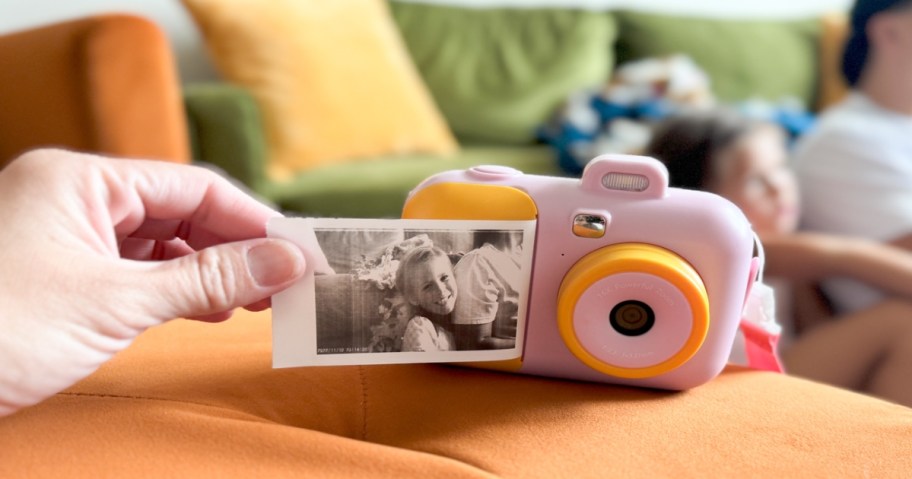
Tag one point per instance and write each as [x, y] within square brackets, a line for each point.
[333, 78]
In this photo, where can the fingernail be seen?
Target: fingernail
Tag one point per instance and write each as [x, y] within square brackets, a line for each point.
[274, 262]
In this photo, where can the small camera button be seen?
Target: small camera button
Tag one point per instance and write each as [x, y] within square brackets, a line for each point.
[493, 172]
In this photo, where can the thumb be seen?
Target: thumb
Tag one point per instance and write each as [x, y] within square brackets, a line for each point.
[221, 278]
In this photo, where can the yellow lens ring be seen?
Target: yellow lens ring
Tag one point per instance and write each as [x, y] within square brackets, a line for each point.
[640, 258]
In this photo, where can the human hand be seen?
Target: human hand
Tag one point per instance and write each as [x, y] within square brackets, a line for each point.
[95, 251]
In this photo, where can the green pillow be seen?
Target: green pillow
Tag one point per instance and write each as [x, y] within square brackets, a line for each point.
[765, 59]
[498, 73]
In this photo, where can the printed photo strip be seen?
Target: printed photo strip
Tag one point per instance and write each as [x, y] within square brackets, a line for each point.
[403, 291]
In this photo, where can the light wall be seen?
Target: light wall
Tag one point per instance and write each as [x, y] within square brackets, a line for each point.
[193, 62]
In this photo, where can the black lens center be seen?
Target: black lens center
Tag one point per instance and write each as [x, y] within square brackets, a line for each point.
[632, 318]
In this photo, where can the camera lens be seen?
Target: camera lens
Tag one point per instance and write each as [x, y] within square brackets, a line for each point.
[632, 318]
[633, 284]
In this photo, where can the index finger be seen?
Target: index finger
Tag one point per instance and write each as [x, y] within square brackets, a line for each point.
[169, 191]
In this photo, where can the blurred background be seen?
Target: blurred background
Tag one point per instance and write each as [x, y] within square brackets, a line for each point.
[195, 64]
[340, 108]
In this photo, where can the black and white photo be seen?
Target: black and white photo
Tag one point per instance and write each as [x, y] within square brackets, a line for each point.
[403, 291]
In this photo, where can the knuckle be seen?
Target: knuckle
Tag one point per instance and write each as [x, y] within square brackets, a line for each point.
[46, 166]
[48, 158]
[217, 280]
[34, 162]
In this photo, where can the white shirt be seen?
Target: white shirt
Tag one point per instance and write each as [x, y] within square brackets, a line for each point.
[488, 282]
[421, 334]
[855, 174]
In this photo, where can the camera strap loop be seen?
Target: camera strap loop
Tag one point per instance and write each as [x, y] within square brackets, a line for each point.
[760, 331]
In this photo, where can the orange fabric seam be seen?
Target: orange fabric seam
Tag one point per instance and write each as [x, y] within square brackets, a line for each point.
[363, 403]
[149, 398]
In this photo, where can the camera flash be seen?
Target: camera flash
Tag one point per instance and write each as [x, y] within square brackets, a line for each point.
[625, 182]
[589, 226]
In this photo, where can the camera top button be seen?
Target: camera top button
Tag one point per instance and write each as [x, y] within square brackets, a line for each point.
[492, 172]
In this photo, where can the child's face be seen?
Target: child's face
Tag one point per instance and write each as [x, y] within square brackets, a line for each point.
[754, 175]
[433, 286]
[895, 36]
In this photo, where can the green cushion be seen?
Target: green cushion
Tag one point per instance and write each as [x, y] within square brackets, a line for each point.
[498, 73]
[226, 130]
[378, 188]
[766, 59]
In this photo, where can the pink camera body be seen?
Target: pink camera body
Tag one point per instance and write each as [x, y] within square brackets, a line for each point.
[633, 282]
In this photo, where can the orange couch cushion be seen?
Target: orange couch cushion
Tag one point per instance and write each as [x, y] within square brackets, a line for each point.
[190, 399]
[103, 84]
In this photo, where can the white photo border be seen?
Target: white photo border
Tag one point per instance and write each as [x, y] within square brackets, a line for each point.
[294, 322]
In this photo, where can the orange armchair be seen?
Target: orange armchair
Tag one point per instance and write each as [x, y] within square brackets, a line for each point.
[104, 84]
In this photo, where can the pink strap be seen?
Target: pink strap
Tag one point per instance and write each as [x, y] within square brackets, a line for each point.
[760, 347]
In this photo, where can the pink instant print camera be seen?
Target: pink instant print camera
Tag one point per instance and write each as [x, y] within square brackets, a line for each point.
[633, 282]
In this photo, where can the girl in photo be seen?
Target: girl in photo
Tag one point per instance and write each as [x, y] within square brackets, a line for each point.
[425, 279]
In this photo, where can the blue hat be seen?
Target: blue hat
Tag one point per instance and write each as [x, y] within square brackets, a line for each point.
[856, 49]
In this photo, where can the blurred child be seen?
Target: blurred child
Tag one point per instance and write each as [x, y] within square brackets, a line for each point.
[745, 161]
[425, 279]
